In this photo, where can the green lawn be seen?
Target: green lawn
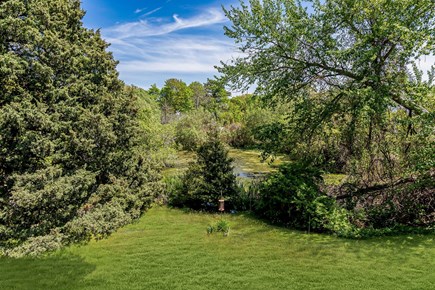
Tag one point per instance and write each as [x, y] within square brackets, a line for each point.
[169, 249]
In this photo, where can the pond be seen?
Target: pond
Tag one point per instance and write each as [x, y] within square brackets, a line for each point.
[247, 165]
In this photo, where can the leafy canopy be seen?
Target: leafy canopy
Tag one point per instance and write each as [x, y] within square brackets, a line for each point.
[175, 97]
[346, 46]
[342, 64]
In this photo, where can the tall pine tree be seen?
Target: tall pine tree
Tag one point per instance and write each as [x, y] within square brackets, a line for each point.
[71, 163]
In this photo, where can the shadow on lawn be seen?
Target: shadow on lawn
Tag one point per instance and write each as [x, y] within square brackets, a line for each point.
[61, 271]
[400, 246]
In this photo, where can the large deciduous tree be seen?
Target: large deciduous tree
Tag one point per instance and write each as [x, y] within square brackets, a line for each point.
[175, 97]
[71, 163]
[345, 62]
[198, 94]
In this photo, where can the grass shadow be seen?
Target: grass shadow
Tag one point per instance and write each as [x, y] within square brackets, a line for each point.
[56, 271]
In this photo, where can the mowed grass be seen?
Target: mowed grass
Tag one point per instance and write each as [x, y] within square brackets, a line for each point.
[170, 249]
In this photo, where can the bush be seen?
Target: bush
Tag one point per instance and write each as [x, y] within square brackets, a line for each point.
[191, 129]
[338, 221]
[292, 197]
[172, 187]
[248, 194]
[407, 203]
[238, 136]
[244, 134]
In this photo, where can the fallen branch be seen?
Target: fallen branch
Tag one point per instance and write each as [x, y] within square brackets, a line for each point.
[372, 189]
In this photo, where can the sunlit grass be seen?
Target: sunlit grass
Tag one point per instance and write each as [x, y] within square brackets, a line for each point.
[334, 179]
[180, 163]
[170, 249]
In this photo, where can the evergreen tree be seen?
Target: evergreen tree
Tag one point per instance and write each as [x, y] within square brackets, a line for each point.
[71, 165]
[210, 178]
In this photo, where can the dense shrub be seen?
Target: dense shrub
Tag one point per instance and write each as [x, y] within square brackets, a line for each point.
[406, 203]
[292, 197]
[237, 135]
[191, 129]
[244, 134]
[173, 186]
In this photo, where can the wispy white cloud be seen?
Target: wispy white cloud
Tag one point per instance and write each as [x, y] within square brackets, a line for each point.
[151, 12]
[139, 10]
[154, 27]
[188, 57]
[152, 50]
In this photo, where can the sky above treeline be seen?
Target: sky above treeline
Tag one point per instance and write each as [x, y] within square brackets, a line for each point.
[158, 40]
[162, 39]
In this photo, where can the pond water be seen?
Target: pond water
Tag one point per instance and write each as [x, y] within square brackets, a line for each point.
[247, 165]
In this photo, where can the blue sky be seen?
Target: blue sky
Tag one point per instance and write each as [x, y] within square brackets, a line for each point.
[161, 39]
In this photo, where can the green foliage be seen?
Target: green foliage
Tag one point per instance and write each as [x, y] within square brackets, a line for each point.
[292, 197]
[199, 94]
[245, 134]
[338, 221]
[364, 45]
[404, 204]
[217, 97]
[175, 97]
[156, 137]
[238, 106]
[221, 226]
[173, 187]
[149, 118]
[249, 192]
[72, 162]
[245, 117]
[154, 91]
[209, 178]
[344, 68]
[421, 146]
[191, 130]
